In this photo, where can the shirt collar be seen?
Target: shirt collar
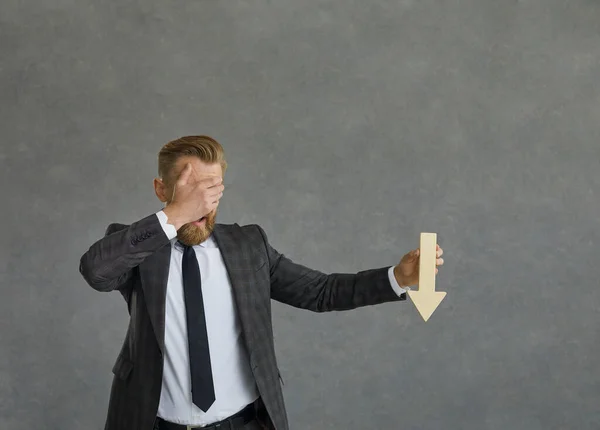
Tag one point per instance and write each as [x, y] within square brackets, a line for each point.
[208, 243]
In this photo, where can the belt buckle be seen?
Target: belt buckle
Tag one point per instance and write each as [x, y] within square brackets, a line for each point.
[212, 426]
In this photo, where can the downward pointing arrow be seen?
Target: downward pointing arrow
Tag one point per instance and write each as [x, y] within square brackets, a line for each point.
[426, 299]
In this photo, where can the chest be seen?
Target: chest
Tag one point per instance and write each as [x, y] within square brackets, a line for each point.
[217, 292]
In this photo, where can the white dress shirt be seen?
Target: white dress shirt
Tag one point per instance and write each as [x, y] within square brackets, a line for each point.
[233, 380]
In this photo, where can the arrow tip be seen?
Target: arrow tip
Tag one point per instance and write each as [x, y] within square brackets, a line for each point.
[426, 302]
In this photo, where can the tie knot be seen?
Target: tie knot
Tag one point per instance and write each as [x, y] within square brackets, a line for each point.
[183, 245]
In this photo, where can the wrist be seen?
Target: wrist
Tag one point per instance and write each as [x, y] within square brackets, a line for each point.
[399, 278]
[173, 217]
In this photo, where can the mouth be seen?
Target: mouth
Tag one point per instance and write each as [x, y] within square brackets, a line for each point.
[200, 222]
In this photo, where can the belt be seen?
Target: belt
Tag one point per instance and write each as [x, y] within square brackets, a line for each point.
[233, 422]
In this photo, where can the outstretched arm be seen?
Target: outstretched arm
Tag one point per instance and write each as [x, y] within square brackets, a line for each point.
[301, 287]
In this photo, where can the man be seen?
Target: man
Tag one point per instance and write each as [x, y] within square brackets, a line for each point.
[199, 349]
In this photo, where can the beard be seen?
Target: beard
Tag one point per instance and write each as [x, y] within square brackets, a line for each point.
[192, 234]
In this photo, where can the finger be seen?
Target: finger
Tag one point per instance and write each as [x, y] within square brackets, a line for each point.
[208, 187]
[185, 174]
[436, 271]
[439, 262]
[215, 191]
[440, 252]
[211, 182]
[218, 197]
[411, 256]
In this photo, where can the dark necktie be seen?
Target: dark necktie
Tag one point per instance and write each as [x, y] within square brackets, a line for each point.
[203, 390]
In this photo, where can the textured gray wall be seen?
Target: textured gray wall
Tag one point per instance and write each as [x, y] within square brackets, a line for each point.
[350, 127]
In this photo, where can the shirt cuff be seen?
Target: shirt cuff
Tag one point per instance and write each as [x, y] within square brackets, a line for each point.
[397, 288]
[169, 229]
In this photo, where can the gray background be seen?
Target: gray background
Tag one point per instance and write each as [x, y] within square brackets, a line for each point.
[350, 127]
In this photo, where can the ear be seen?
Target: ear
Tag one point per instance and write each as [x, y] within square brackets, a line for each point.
[161, 190]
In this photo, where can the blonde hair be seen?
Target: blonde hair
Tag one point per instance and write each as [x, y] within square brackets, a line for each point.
[205, 148]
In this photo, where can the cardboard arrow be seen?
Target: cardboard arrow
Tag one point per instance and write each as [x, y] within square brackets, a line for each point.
[426, 299]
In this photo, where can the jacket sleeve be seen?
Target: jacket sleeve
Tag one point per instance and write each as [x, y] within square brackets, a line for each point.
[109, 263]
[305, 288]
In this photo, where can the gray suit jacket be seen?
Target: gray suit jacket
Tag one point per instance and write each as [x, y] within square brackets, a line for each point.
[134, 259]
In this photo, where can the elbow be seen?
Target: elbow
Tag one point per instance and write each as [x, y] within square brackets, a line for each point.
[91, 275]
[326, 300]
[320, 305]
[333, 297]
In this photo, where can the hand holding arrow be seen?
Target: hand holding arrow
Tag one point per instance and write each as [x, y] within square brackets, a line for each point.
[420, 267]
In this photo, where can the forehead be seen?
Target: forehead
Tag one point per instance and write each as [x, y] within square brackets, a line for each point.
[200, 169]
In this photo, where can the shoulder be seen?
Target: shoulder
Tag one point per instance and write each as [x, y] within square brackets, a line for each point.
[252, 229]
[114, 227]
[250, 232]
[150, 221]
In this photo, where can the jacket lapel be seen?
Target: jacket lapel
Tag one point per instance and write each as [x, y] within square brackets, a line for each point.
[154, 274]
[237, 254]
